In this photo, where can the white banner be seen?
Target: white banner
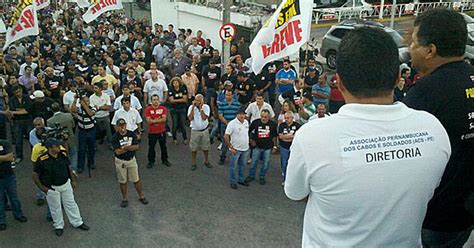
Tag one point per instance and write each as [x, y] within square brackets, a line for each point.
[102, 6]
[23, 22]
[41, 4]
[85, 3]
[283, 34]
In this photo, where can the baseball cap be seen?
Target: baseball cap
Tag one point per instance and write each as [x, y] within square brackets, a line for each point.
[228, 82]
[241, 111]
[121, 121]
[50, 142]
[37, 94]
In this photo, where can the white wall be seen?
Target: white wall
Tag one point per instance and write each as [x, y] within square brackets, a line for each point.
[184, 15]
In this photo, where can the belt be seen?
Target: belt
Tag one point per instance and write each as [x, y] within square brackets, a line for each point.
[200, 130]
[126, 159]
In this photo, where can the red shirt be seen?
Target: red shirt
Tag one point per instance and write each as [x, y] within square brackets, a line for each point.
[156, 113]
[201, 41]
[335, 93]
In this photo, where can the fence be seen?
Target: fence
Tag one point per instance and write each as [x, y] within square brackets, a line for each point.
[378, 11]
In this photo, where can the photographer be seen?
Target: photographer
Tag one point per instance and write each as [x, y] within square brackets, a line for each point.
[86, 123]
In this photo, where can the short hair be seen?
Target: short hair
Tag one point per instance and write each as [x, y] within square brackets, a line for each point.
[259, 94]
[100, 84]
[444, 28]
[16, 88]
[359, 66]
[38, 119]
[265, 111]
[28, 67]
[55, 107]
[155, 95]
[404, 70]
[287, 61]
[125, 99]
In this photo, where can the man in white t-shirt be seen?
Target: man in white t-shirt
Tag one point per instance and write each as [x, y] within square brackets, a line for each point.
[254, 109]
[198, 115]
[153, 67]
[368, 171]
[155, 86]
[236, 138]
[135, 103]
[102, 103]
[68, 97]
[130, 115]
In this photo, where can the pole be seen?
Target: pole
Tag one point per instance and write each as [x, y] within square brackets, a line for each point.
[226, 44]
[392, 18]
[382, 3]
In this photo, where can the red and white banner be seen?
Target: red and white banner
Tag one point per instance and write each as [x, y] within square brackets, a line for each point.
[98, 7]
[283, 34]
[23, 22]
[41, 4]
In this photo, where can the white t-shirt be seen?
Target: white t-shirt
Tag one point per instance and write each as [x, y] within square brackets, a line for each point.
[116, 70]
[369, 172]
[132, 118]
[198, 123]
[147, 75]
[22, 68]
[135, 103]
[239, 134]
[99, 101]
[254, 112]
[68, 98]
[157, 87]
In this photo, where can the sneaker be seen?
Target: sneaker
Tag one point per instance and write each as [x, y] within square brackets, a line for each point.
[249, 179]
[169, 134]
[59, 232]
[22, 219]
[262, 181]
[193, 167]
[167, 163]
[233, 186]
[143, 200]
[221, 161]
[150, 165]
[124, 204]
[208, 165]
[244, 183]
[219, 147]
[83, 227]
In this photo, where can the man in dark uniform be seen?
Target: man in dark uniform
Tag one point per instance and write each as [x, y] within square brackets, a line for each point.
[446, 90]
[53, 175]
[8, 185]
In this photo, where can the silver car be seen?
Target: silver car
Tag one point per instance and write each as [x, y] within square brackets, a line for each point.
[332, 39]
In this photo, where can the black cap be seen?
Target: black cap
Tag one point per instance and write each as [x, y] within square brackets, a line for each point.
[121, 121]
[50, 142]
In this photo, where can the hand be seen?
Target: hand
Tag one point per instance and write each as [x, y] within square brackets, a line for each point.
[233, 151]
[74, 184]
[253, 143]
[46, 189]
[10, 157]
[274, 150]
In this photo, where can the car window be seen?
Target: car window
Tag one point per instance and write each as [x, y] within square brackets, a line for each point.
[339, 32]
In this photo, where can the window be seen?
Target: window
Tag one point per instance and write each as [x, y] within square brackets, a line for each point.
[339, 32]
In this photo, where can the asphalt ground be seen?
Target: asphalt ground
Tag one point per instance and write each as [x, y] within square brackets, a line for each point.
[187, 208]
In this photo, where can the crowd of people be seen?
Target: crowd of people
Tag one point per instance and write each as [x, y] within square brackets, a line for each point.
[117, 80]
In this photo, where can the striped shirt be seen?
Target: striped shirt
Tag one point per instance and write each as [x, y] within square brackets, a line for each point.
[229, 111]
[84, 120]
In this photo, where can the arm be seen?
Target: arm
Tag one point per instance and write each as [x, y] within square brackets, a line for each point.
[73, 107]
[86, 108]
[297, 178]
[38, 183]
[191, 113]
[222, 119]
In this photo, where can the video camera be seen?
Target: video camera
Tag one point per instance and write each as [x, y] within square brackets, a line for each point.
[57, 132]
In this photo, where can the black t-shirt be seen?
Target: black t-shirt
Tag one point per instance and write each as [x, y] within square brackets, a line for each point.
[178, 94]
[231, 78]
[263, 133]
[311, 81]
[41, 109]
[262, 79]
[25, 103]
[212, 76]
[284, 128]
[207, 50]
[128, 139]
[448, 94]
[54, 85]
[53, 171]
[249, 87]
[5, 167]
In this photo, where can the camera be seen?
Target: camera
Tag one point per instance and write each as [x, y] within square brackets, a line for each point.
[81, 93]
[57, 132]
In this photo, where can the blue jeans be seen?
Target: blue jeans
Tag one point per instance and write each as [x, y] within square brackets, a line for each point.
[86, 146]
[73, 157]
[284, 156]
[20, 128]
[8, 186]
[257, 153]
[239, 158]
[224, 147]
[215, 127]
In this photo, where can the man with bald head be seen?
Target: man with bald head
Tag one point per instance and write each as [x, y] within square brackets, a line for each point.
[198, 115]
[179, 63]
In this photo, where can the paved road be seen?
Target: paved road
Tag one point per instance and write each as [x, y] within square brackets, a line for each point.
[187, 208]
